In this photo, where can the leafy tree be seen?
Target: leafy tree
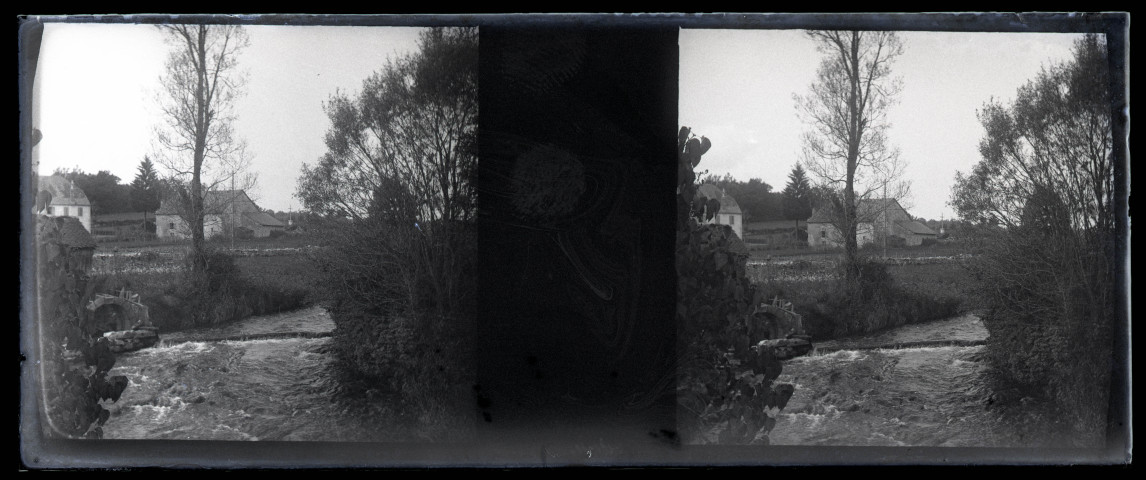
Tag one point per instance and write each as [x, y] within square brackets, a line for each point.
[1042, 197]
[403, 154]
[200, 86]
[145, 188]
[1056, 135]
[415, 121]
[846, 110]
[797, 195]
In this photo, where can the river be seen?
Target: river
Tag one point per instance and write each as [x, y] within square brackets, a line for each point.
[264, 378]
[931, 389]
[273, 378]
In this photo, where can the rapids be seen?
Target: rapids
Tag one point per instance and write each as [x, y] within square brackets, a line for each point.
[216, 384]
[854, 392]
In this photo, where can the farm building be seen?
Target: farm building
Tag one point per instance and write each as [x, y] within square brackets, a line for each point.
[222, 210]
[878, 219]
[62, 198]
[729, 214]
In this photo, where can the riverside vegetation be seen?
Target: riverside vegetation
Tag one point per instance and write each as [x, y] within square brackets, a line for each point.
[727, 389]
[230, 288]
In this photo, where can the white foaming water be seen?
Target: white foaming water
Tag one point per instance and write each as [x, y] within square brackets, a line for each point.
[178, 348]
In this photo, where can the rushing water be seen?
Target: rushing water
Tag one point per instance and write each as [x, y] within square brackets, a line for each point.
[208, 384]
[272, 378]
[924, 395]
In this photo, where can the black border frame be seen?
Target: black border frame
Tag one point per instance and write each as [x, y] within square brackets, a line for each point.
[38, 453]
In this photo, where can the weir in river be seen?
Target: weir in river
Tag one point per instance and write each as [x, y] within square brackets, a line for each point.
[919, 385]
[264, 378]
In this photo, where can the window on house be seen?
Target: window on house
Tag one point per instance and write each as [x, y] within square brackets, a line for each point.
[823, 234]
[80, 211]
[65, 211]
[731, 220]
[51, 211]
[171, 226]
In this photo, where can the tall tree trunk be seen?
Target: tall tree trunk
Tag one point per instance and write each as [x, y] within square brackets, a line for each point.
[855, 125]
[203, 123]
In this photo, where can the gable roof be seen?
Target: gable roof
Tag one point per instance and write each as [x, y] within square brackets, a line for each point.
[215, 202]
[866, 210]
[265, 219]
[64, 191]
[917, 228]
[728, 204]
[73, 233]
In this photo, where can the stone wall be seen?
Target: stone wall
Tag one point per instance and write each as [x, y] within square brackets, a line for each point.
[74, 364]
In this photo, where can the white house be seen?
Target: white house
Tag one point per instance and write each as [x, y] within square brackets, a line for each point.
[222, 210]
[729, 214]
[877, 219]
[66, 200]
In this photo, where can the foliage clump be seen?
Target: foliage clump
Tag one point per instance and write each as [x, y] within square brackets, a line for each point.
[1044, 199]
[726, 391]
[396, 191]
[873, 300]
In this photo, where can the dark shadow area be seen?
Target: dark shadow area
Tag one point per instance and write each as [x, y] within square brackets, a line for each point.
[576, 183]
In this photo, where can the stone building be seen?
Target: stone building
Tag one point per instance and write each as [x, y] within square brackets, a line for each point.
[729, 214]
[222, 211]
[62, 198]
[878, 220]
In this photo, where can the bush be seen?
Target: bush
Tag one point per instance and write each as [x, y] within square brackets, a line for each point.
[1049, 296]
[833, 308]
[401, 296]
[218, 292]
[726, 390]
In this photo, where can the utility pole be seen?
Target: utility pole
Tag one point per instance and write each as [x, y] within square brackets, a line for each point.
[886, 227]
[232, 211]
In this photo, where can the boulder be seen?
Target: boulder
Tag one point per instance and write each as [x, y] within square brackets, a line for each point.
[785, 348]
[131, 340]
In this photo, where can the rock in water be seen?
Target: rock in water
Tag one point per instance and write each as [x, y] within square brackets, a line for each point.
[786, 348]
[131, 340]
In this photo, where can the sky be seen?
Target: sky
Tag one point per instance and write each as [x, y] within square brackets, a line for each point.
[96, 89]
[737, 87]
[97, 85]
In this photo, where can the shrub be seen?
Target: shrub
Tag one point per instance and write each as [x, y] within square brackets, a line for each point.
[401, 295]
[1049, 297]
[725, 390]
[834, 308]
[220, 291]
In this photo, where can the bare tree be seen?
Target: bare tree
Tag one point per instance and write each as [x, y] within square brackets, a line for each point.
[846, 111]
[200, 87]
